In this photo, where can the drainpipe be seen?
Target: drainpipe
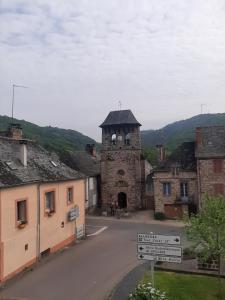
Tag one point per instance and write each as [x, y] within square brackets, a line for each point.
[38, 223]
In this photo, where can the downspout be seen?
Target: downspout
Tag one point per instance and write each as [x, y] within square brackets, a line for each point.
[38, 223]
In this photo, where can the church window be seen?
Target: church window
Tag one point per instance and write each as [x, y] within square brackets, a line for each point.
[113, 139]
[121, 172]
[127, 139]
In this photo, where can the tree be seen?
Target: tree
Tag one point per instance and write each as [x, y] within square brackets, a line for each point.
[207, 230]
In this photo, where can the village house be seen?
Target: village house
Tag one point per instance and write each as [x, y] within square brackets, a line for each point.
[41, 203]
[175, 182]
[210, 154]
[192, 171]
[88, 163]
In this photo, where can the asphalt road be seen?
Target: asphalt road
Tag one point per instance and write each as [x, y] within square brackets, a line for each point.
[88, 270]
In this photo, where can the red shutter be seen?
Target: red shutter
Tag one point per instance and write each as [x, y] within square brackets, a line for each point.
[218, 189]
[217, 165]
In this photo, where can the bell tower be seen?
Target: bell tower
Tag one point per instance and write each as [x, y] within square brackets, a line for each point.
[121, 161]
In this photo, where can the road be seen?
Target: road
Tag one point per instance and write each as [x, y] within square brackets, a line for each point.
[88, 270]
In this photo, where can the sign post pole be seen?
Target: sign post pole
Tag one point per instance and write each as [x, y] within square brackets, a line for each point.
[152, 264]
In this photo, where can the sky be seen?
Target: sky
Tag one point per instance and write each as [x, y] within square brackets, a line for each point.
[79, 58]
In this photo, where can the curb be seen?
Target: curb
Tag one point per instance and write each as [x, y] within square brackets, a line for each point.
[128, 283]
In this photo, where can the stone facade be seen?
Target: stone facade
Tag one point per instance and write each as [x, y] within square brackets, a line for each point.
[172, 204]
[121, 180]
[210, 153]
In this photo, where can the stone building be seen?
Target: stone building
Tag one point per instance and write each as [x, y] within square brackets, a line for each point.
[210, 154]
[121, 174]
[175, 183]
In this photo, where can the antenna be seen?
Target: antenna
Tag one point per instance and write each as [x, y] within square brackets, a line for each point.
[120, 105]
[202, 105]
[13, 95]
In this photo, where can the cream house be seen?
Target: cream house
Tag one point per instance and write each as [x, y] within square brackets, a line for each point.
[41, 203]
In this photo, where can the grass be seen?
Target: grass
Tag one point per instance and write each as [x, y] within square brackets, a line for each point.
[185, 286]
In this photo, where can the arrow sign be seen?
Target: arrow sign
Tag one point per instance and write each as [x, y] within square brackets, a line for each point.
[170, 259]
[159, 250]
[158, 239]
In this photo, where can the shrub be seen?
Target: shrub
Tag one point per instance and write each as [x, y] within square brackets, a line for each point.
[159, 216]
[189, 253]
[147, 292]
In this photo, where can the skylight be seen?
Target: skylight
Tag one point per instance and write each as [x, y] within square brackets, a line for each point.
[54, 164]
[11, 165]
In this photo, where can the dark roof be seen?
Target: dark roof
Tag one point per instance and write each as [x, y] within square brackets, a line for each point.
[120, 117]
[210, 142]
[42, 166]
[183, 157]
[83, 162]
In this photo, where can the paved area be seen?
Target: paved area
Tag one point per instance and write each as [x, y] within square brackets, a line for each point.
[91, 268]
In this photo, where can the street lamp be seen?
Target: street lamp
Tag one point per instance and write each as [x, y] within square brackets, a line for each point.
[16, 86]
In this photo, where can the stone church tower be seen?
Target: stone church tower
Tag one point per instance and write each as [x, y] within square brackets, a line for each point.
[121, 161]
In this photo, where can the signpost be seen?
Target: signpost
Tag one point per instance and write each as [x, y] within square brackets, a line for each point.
[158, 247]
[158, 239]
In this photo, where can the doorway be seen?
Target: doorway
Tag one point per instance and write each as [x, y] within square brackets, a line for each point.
[122, 200]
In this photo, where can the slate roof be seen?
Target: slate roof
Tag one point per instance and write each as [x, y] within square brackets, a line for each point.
[42, 165]
[83, 162]
[183, 157]
[120, 117]
[211, 142]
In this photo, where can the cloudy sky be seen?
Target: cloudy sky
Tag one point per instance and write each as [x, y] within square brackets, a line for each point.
[161, 58]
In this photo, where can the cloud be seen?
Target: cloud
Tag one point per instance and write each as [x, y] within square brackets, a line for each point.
[161, 58]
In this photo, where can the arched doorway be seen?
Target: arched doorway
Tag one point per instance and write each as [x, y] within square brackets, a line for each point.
[122, 200]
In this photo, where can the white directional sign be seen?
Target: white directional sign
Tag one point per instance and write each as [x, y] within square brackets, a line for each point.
[159, 250]
[159, 239]
[170, 259]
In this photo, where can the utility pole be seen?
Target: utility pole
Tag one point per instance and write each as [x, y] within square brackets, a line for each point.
[13, 96]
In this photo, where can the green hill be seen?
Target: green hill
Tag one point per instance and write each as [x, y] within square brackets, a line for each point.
[52, 138]
[175, 133]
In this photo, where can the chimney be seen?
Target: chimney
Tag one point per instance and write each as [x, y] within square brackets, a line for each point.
[198, 136]
[15, 131]
[160, 153]
[23, 152]
[90, 148]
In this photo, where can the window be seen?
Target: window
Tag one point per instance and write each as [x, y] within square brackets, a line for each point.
[217, 165]
[21, 210]
[166, 188]
[218, 189]
[127, 139]
[121, 172]
[70, 195]
[50, 202]
[184, 190]
[113, 139]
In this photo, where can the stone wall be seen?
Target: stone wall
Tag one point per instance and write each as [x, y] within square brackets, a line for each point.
[211, 177]
[175, 180]
[121, 172]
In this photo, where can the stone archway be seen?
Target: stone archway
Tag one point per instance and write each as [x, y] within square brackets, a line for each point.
[122, 200]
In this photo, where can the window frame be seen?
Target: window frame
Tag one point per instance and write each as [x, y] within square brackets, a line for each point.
[21, 223]
[50, 212]
[184, 190]
[169, 190]
[67, 195]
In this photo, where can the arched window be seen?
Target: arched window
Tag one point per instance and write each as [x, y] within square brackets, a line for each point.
[113, 139]
[127, 139]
